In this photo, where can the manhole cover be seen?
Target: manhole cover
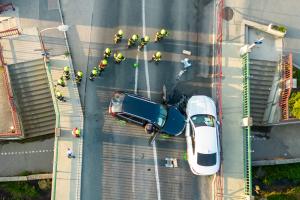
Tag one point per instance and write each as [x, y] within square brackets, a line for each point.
[228, 13]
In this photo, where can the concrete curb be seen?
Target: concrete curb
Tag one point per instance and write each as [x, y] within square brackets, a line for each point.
[275, 162]
[26, 178]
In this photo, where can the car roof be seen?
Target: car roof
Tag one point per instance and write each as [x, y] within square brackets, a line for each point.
[140, 107]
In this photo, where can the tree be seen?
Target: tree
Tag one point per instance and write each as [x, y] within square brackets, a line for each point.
[292, 99]
[296, 109]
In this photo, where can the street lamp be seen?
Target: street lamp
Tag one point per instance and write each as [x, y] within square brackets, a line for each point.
[247, 48]
[62, 28]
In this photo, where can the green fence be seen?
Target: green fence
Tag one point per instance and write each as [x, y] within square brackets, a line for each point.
[247, 129]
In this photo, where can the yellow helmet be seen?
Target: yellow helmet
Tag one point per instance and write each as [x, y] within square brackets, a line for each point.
[163, 31]
[134, 37]
[158, 54]
[120, 32]
[107, 50]
[146, 38]
[104, 62]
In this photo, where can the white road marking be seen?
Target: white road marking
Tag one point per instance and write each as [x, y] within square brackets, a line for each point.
[26, 152]
[136, 74]
[133, 169]
[149, 96]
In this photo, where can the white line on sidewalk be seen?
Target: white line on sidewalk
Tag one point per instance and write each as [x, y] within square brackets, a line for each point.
[149, 96]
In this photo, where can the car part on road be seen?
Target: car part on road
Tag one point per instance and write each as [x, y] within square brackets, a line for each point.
[186, 64]
[171, 162]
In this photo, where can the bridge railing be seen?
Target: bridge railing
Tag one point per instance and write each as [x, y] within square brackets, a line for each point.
[218, 74]
[247, 128]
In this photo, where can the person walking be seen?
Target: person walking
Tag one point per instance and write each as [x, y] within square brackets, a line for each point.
[118, 36]
[70, 153]
[118, 57]
[66, 73]
[149, 128]
[144, 41]
[107, 53]
[59, 96]
[132, 41]
[102, 65]
[160, 35]
[93, 74]
[61, 81]
[78, 77]
[76, 132]
[156, 57]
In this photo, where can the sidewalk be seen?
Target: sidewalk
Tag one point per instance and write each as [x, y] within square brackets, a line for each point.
[66, 183]
[232, 137]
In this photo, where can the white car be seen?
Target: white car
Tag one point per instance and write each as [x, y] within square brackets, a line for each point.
[202, 135]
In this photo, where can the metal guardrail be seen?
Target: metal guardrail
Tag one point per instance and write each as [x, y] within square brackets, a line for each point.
[218, 74]
[57, 113]
[247, 129]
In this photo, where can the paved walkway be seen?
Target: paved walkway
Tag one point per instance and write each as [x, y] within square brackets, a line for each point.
[232, 137]
[67, 171]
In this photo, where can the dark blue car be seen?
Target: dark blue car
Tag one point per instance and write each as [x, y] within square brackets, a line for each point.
[139, 110]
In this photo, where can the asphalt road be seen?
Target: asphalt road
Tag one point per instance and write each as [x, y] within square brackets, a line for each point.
[118, 163]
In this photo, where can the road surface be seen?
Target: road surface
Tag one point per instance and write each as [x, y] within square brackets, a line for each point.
[118, 162]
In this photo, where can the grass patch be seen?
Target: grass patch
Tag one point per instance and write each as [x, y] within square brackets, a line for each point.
[20, 190]
[277, 182]
[273, 173]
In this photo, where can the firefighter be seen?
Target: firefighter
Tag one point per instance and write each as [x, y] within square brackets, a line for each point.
[131, 41]
[107, 53]
[144, 41]
[78, 77]
[102, 65]
[160, 35]
[93, 74]
[156, 57]
[66, 73]
[118, 36]
[118, 57]
[59, 96]
[76, 132]
[61, 82]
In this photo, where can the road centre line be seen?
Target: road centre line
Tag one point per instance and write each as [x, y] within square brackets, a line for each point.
[136, 74]
[25, 152]
[149, 96]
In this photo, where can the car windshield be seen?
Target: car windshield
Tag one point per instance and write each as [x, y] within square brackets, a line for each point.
[203, 120]
[207, 159]
[162, 116]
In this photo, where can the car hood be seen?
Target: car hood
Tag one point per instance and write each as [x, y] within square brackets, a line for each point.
[175, 122]
[200, 105]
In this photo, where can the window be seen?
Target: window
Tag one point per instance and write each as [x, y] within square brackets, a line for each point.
[132, 118]
[207, 159]
[203, 120]
[162, 116]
